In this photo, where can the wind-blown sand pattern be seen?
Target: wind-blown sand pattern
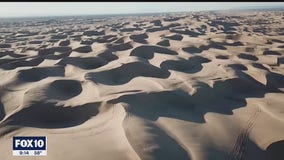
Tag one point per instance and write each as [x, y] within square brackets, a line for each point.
[196, 86]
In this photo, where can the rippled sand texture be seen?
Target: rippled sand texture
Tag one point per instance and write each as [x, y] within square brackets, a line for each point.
[196, 86]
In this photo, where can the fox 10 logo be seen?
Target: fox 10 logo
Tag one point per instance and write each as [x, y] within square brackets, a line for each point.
[29, 146]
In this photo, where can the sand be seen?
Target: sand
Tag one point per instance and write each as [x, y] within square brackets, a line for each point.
[189, 86]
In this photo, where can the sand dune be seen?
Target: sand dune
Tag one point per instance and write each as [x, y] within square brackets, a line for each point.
[190, 86]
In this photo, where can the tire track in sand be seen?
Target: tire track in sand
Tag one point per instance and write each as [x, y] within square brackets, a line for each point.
[240, 145]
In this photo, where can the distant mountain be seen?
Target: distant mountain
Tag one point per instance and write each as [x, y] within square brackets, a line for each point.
[262, 8]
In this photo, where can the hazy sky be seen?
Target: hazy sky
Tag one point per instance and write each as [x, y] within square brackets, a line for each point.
[23, 9]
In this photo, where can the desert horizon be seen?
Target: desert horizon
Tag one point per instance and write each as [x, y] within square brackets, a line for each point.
[196, 85]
